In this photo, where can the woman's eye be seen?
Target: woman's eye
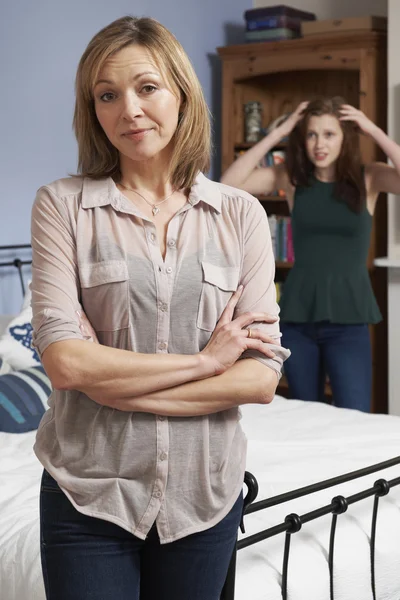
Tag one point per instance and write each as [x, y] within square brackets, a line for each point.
[149, 89]
[107, 97]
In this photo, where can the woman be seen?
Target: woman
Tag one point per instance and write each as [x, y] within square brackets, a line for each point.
[327, 301]
[142, 448]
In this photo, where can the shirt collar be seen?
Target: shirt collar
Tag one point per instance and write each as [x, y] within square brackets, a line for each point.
[207, 191]
[101, 192]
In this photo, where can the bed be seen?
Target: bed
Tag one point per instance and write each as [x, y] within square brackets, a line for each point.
[294, 444]
[291, 444]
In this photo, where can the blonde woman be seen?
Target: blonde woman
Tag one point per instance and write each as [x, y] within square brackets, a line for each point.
[172, 275]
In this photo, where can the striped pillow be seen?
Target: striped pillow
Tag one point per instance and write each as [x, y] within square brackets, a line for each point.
[23, 399]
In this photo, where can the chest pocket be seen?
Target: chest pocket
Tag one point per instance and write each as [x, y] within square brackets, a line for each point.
[105, 294]
[219, 283]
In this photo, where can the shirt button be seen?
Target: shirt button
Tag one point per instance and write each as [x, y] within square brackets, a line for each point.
[153, 237]
[162, 345]
[163, 456]
[171, 243]
[163, 306]
[157, 494]
[169, 269]
[161, 418]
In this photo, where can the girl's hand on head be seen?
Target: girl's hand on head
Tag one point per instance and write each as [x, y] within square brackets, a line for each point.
[231, 336]
[349, 113]
[293, 119]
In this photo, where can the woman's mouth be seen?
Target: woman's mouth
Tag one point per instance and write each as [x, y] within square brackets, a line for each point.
[136, 135]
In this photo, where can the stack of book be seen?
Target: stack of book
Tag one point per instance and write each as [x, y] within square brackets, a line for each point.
[281, 237]
[275, 23]
[274, 157]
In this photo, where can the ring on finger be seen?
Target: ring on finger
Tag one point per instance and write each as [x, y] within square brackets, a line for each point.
[249, 334]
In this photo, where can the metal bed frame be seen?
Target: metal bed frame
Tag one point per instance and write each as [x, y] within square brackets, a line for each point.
[294, 522]
[18, 263]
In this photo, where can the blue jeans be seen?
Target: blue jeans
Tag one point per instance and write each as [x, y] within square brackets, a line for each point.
[343, 352]
[84, 558]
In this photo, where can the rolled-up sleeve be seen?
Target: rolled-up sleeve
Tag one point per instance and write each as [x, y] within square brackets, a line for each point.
[259, 294]
[55, 288]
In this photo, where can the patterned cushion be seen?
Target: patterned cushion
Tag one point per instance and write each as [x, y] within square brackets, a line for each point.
[23, 399]
[16, 342]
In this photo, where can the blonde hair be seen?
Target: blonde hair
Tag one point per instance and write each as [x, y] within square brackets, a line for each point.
[97, 157]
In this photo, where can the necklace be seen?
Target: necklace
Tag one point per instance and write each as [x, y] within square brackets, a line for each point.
[155, 210]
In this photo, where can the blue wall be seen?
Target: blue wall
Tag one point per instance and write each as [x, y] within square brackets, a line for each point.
[41, 42]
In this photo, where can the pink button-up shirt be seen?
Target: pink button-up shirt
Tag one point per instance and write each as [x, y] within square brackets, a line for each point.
[93, 248]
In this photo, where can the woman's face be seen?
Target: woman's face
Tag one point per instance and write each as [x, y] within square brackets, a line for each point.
[324, 139]
[135, 106]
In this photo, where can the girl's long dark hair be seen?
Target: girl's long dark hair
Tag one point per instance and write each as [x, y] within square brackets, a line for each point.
[349, 180]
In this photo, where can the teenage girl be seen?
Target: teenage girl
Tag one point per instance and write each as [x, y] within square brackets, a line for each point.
[327, 301]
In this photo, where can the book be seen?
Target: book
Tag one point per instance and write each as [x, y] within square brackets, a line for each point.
[269, 35]
[272, 229]
[281, 238]
[290, 249]
[269, 161]
[282, 227]
[279, 10]
[279, 157]
[274, 23]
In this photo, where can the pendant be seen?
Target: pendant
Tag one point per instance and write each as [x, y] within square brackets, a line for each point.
[155, 210]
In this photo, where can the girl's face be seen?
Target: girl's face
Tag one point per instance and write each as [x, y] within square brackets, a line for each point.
[135, 106]
[324, 138]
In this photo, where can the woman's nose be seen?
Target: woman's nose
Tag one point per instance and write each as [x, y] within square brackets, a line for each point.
[132, 107]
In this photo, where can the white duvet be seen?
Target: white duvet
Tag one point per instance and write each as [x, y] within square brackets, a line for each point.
[291, 444]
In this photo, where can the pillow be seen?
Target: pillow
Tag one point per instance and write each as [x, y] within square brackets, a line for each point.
[23, 399]
[16, 342]
[4, 367]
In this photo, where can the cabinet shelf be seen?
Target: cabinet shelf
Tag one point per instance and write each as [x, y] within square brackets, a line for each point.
[248, 145]
[280, 75]
[282, 264]
[270, 198]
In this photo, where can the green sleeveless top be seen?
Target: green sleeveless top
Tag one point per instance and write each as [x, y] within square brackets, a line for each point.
[329, 280]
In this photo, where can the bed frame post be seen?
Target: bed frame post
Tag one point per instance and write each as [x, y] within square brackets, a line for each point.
[228, 591]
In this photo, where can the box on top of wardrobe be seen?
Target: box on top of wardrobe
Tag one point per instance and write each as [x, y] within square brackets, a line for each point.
[347, 25]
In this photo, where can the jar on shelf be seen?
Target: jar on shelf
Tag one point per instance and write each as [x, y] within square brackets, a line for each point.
[252, 121]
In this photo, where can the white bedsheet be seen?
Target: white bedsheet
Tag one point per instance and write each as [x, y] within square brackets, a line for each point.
[20, 473]
[291, 444]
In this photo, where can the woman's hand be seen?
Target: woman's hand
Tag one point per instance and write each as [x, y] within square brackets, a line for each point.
[349, 113]
[231, 338]
[291, 122]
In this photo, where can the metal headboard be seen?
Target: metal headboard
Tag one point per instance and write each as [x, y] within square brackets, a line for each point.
[18, 263]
